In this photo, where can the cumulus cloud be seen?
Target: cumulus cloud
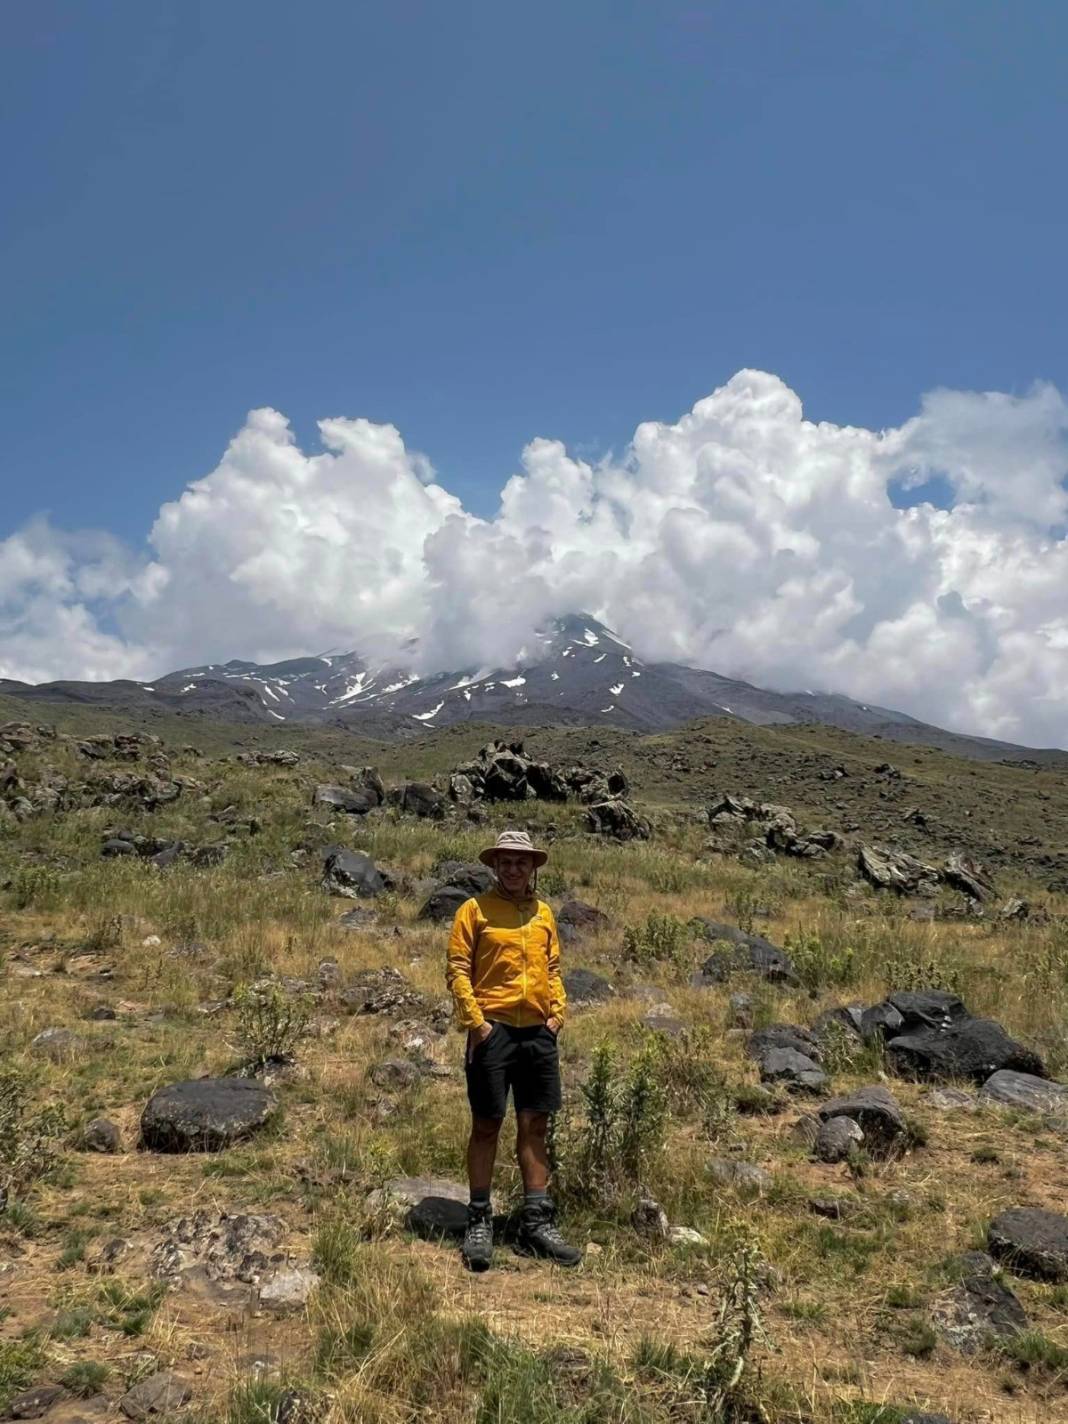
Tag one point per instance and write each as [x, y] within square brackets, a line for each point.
[741, 537]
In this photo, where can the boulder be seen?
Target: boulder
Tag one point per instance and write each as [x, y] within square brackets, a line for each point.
[472, 876]
[928, 1008]
[617, 819]
[970, 1048]
[58, 1044]
[219, 1247]
[1025, 1091]
[115, 847]
[1031, 1242]
[969, 878]
[880, 1022]
[354, 802]
[354, 874]
[32, 1403]
[846, 1018]
[383, 991]
[395, 1074]
[582, 986]
[575, 919]
[742, 952]
[659, 1021]
[158, 1396]
[877, 1113]
[421, 799]
[441, 904]
[205, 1114]
[100, 1135]
[888, 868]
[837, 1138]
[168, 856]
[979, 1307]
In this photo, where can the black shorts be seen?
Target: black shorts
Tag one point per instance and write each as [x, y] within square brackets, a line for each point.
[524, 1060]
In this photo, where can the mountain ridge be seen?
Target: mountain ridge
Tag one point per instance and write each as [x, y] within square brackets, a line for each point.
[582, 673]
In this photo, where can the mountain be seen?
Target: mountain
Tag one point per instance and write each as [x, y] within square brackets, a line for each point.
[582, 674]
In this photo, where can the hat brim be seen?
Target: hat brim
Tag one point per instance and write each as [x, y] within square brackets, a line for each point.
[490, 854]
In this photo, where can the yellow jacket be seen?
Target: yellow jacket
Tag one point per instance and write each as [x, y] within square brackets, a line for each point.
[504, 962]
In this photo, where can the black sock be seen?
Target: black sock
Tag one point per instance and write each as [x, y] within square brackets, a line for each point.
[535, 1198]
[480, 1196]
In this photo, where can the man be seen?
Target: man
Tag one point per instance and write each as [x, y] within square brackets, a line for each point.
[504, 974]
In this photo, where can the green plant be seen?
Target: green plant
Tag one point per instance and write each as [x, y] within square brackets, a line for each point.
[738, 1327]
[910, 969]
[28, 1135]
[660, 939]
[270, 1022]
[128, 1308]
[820, 964]
[625, 1122]
[918, 1337]
[19, 1362]
[1036, 1353]
[85, 1378]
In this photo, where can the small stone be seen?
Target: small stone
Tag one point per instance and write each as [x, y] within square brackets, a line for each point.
[831, 1208]
[394, 1074]
[741, 1010]
[649, 1219]
[837, 1138]
[155, 1396]
[877, 1112]
[34, 1402]
[100, 1135]
[950, 1100]
[686, 1236]
[288, 1288]
[56, 1043]
[151, 942]
[666, 1024]
[741, 1176]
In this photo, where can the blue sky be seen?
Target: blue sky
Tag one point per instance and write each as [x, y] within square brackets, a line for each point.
[484, 222]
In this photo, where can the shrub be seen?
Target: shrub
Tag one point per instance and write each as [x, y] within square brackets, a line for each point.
[28, 1136]
[85, 1378]
[819, 964]
[19, 1362]
[270, 1022]
[662, 939]
[626, 1119]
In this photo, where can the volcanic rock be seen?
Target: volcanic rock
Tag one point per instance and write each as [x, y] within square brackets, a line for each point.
[205, 1114]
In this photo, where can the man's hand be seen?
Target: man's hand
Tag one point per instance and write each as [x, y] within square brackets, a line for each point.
[553, 1025]
[475, 1036]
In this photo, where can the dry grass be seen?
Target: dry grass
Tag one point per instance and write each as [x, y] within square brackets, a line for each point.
[73, 932]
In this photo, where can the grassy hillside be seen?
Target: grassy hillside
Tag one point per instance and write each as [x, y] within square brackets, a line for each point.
[831, 1316]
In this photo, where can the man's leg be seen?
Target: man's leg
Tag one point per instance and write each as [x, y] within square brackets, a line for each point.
[531, 1150]
[481, 1154]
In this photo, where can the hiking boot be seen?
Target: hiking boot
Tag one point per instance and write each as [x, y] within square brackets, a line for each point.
[477, 1249]
[538, 1236]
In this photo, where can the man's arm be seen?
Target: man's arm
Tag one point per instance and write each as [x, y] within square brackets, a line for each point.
[557, 997]
[460, 959]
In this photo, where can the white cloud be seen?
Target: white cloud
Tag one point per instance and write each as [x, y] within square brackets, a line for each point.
[741, 537]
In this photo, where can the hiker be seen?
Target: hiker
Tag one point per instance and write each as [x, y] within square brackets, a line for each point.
[504, 974]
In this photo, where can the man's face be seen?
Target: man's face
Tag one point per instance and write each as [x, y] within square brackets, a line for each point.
[514, 869]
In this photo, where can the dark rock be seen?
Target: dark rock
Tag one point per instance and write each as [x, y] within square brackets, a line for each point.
[784, 1036]
[805, 1131]
[170, 855]
[582, 986]
[831, 1208]
[32, 1403]
[102, 1013]
[1023, 1090]
[971, 1048]
[100, 1135]
[1031, 1242]
[208, 856]
[205, 1114]
[156, 1397]
[443, 903]
[354, 874]
[575, 919]
[743, 953]
[115, 847]
[796, 1071]
[472, 876]
[928, 1008]
[357, 919]
[617, 819]
[915, 1418]
[880, 1022]
[846, 1018]
[419, 798]
[383, 991]
[837, 1138]
[433, 1207]
[978, 1308]
[741, 1010]
[949, 1100]
[876, 1111]
[221, 1247]
[649, 1219]
[355, 803]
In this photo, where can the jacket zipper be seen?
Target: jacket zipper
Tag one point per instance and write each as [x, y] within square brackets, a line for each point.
[523, 940]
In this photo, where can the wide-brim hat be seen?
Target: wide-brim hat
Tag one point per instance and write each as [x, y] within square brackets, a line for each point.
[518, 842]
